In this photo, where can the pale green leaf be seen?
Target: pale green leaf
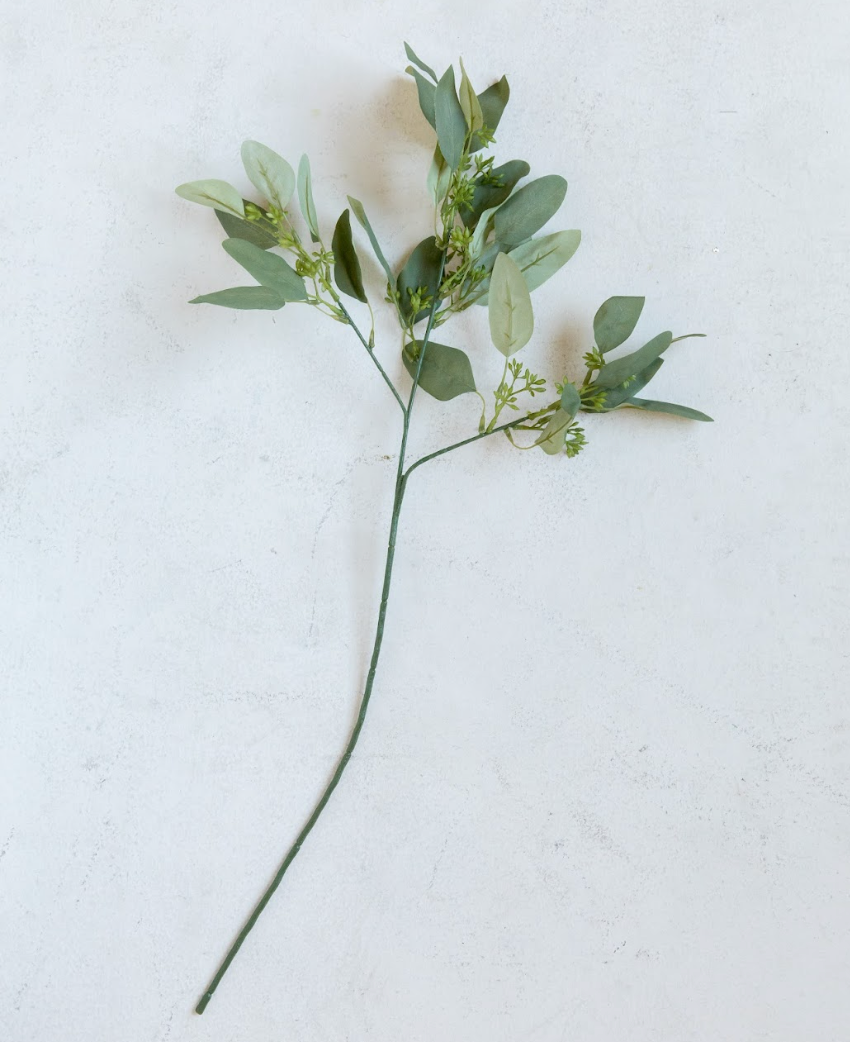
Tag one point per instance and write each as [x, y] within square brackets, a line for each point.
[268, 269]
[469, 103]
[347, 272]
[305, 197]
[570, 400]
[269, 173]
[360, 214]
[539, 259]
[528, 209]
[554, 434]
[615, 321]
[244, 298]
[218, 194]
[446, 371]
[439, 177]
[450, 121]
[510, 311]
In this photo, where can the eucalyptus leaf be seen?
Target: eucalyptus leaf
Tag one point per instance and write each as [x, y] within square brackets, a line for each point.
[269, 269]
[570, 400]
[492, 101]
[489, 196]
[256, 232]
[554, 434]
[615, 321]
[674, 410]
[469, 103]
[439, 177]
[617, 395]
[619, 371]
[269, 173]
[244, 298]
[411, 54]
[422, 269]
[510, 311]
[450, 121]
[347, 272]
[305, 197]
[427, 95]
[360, 214]
[529, 209]
[218, 194]
[539, 259]
[446, 371]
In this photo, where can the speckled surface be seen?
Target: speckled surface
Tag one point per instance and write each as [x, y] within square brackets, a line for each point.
[603, 791]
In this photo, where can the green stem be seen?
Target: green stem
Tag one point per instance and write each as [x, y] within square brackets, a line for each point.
[400, 485]
[371, 353]
[460, 444]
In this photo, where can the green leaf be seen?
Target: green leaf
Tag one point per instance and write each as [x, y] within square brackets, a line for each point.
[445, 373]
[493, 102]
[347, 271]
[305, 198]
[427, 95]
[450, 121]
[411, 54]
[244, 298]
[554, 434]
[218, 194]
[570, 400]
[360, 214]
[439, 177]
[619, 371]
[617, 395]
[539, 259]
[421, 269]
[674, 410]
[615, 321]
[268, 269]
[487, 196]
[529, 209]
[252, 231]
[269, 173]
[511, 315]
[469, 103]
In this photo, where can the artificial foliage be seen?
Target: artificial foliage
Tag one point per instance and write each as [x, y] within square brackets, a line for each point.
[485, 250]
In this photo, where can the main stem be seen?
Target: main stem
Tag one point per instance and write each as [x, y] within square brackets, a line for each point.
[400, 485]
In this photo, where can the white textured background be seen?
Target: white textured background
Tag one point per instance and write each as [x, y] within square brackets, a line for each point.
[603, 791]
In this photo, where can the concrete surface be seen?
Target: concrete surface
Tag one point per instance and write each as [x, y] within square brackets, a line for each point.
[603, 791]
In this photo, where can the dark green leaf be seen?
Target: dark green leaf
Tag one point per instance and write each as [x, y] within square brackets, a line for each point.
[529, 209]
[244, 298]
[411, 54]
[570, 400]
[305, 198]
[347, 271]
[617, 372]
[360, 214]
[450, 122]
[422, 269]
[488, 196]
[268, 269]
[675, 410]
[617, 395]
[427, 94]
[252, 231]
[445, 373]
[615, 321]
[493, 102]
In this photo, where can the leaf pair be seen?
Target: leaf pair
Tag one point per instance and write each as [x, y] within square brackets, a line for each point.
[279, 283]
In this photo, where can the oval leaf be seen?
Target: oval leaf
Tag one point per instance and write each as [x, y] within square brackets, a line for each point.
[269, 173]
[305, 198]
[492, 102]
[218, 194]
[421, 270]
[268, 269]
[360, 214]
[615, 321]
[619, 371]
[257, 232]
[347, 272]
[617, 395]
[674, 410]
[511, 315]
[244, 298]
[446, 371]
[489, 196]
[555, 433]
[450, 121]
[539, 259]
[570, 400]
[529, 209]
